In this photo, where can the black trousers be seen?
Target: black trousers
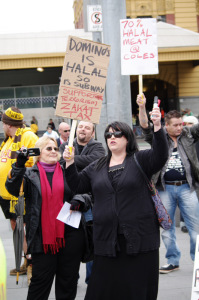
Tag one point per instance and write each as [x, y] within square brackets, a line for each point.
[64, 265]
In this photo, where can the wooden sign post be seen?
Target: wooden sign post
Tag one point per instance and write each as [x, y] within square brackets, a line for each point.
[83, 81]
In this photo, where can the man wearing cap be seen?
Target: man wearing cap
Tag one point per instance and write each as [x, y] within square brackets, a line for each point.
[177, 181]
[16, 136]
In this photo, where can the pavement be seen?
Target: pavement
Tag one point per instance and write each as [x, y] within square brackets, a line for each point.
[173, 286]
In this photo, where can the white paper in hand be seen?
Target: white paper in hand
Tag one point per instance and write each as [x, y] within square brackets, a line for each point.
[71, 219]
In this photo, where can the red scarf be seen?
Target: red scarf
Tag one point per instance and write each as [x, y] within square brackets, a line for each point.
[52, 202]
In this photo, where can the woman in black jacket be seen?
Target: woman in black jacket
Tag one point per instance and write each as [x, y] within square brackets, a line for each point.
[56, 248]
[125, 226]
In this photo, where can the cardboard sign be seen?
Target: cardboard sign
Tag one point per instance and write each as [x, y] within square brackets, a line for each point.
[139, 51]
[83, 80]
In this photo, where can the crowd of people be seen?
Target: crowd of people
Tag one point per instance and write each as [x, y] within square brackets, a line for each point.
[107, 189]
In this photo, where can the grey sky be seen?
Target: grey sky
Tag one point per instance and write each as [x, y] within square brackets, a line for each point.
[19, 16]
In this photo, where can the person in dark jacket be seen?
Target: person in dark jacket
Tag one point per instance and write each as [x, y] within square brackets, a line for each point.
[125, 226]
[64, 132]
[177, 181]
[52, 124]
[87, 150]
[56, 248]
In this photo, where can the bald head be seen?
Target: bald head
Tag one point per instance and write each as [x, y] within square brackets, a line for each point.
[64, 131]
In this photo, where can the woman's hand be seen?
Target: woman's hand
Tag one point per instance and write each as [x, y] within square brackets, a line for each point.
[156, 118]
[22, 157]
[68, 155]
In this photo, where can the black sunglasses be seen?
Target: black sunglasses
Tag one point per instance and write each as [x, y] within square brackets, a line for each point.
[51, 148]
[116, 134]
[67, 130]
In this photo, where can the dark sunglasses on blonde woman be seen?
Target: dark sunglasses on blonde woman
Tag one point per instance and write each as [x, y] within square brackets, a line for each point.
[116, 134]
[52, 148]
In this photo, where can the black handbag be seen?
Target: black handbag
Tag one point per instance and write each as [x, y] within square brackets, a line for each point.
[162, 214]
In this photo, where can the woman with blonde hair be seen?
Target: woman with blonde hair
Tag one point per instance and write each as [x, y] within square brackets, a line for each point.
[56, 248]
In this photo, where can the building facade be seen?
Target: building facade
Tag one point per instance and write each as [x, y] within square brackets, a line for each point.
[34, 92]
[177, 82]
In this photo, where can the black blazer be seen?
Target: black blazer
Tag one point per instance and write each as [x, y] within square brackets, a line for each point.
[129, 207]
[91, 152]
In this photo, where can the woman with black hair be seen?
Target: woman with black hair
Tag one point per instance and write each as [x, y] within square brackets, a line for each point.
[125, 226]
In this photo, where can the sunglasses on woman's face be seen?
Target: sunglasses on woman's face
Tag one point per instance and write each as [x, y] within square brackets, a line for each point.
[116, 134]
[52, 148]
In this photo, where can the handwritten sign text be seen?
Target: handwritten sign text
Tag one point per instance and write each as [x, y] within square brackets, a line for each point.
[139, 54]
[83, 80]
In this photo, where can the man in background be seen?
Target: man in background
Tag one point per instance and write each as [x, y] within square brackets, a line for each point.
[177, 181]
[52, 124]
[64, 132]
[189, 121]
[87, 150]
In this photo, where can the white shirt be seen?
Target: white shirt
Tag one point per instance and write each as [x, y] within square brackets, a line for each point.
[53, 134]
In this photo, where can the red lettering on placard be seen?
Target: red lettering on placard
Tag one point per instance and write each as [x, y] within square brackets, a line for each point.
[66, 106]
[79, 109]
[83, 117]
[139, 23]
[125, 22]
[147, 34]
[99, 97]
[141, 56]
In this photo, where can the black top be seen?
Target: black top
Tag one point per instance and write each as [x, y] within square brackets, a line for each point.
[175, 170]
[114, 174]
[128, 206]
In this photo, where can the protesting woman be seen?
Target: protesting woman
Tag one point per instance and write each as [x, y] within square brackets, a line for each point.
[125, 226]
[56, 248]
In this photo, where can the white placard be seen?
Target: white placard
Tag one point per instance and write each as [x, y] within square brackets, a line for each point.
[139, 51]
[195, 281]
[94, 17]
[71, 219]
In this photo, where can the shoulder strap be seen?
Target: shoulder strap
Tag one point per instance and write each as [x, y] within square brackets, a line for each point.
[149, 183]
[141, 170]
